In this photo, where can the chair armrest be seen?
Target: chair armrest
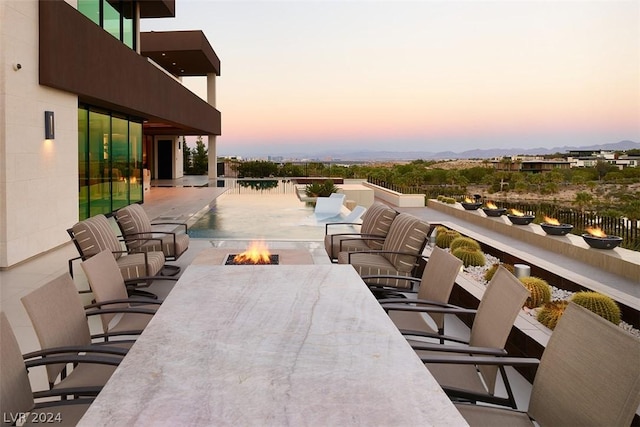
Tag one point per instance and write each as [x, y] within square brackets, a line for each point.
[73, 358]
[487, 351]
[473, 360]
[57, 392]
[181, 224]
[123, 300]
[380, 252]
[397, 306]
[441, 337]
[69, 350]
[326, 226]
[122, 310]
[135, 280]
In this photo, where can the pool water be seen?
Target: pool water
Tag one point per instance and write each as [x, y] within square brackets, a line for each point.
[258, 209]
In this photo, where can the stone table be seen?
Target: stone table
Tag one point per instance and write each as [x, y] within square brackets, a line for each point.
[271, 345]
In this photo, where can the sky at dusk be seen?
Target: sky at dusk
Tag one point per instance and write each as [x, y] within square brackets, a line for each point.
[419, 75]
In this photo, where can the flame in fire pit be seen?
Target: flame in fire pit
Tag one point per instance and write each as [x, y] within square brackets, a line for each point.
[516, 212]
[256, 253]
[491, 205]
[468, 200]
[551, 221]
[597, 232]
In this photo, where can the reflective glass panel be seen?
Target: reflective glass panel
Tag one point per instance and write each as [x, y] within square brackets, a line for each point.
[111, 20]
[90, 9]
[83, 164]
[99, 157]
[119, 162]
[135, 162]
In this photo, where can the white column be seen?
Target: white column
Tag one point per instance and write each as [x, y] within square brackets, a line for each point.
[211, 100]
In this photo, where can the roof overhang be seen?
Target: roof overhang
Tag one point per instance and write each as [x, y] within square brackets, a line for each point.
[181, 53]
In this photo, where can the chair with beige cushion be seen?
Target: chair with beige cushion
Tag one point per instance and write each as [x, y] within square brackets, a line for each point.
[434, 290]
[401, 253]
[17, 399]
[120, 315]
[376, 222]
[589, 375]
[140, 236]
[60, 321]
[95, 234]
[501, 303]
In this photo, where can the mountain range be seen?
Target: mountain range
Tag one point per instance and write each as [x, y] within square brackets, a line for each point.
[364, 155]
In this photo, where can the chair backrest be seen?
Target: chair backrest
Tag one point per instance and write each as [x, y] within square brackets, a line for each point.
[133, 220]
[106, 282]
[589, 373]
[502, 301]
[58, 317]
[93, 235]
[355, 214]
[438, 279]
[15, 390]
[377, 220]
[406, 234]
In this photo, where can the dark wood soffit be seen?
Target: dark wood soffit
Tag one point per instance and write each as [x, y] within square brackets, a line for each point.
[182, 53]
[79, 57]
[157, 8]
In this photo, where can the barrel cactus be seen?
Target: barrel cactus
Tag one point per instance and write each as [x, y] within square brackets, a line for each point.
[539, 291]
[466, 242]
[444, 239]
[600, 304]
[488, 275]
[551, 312]
[469, 257]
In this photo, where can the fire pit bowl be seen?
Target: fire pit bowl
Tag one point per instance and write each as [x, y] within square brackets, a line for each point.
[471, 206]
[607, 242]
[520, 219]
[494, 212]
[556, 229]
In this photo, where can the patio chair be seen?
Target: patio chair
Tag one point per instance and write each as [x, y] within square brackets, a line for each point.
[60, 322]
[501, 302]
[18, 400]
[95, 234]
[120, 315]
[328, 207]
[140, 236]
[401, 253]
[589, 375]
[376, 222]
[436, 284]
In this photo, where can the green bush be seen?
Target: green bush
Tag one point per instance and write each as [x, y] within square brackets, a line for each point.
[317, 189]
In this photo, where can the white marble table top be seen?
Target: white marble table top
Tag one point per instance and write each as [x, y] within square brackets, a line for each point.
[271, 346]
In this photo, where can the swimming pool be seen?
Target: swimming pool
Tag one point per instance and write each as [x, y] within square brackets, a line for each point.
[258, 209]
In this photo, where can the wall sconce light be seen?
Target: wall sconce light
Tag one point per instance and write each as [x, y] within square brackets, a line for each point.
[179, 145]
[49, 125]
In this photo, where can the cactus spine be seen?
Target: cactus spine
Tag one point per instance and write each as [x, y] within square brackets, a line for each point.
[469, 256]
[466, 242]
[444, 239]
[539, 290]
[551, 313]
[600, 304]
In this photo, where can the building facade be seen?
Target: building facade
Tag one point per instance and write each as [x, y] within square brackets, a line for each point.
[90, 110]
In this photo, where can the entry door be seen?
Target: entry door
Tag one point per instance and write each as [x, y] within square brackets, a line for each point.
[165, 159]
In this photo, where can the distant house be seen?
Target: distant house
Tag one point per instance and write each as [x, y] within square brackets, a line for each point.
[91, 110]
[529, 164]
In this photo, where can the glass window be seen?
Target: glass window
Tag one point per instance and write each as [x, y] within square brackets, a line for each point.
[111, 20]
[83, 163]
[119, 162]
[109, 162]
[135, 162]
[90, 9]
[99, 157]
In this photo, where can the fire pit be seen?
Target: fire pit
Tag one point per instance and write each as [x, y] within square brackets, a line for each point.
[470, 205]
[256, 254]
[597, 239]
[492, 210]
[553, 227]
[519, 218]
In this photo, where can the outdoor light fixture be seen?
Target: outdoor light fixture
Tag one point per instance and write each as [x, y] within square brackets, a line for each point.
[49, 125]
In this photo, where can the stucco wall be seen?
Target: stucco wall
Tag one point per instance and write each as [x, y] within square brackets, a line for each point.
[39, 178]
